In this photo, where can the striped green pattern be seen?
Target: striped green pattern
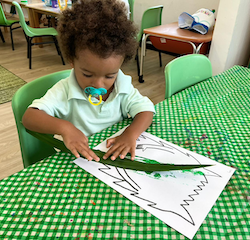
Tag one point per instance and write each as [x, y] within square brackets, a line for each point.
[55, 199]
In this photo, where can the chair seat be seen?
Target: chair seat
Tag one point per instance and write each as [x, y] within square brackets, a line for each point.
[36, 32]
[10, 22]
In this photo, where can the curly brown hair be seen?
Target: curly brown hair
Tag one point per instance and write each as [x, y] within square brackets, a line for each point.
[101, 26]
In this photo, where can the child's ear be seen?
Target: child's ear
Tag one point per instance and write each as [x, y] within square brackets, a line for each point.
[71, 64]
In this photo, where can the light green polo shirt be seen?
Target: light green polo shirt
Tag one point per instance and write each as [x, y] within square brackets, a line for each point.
[66, 100]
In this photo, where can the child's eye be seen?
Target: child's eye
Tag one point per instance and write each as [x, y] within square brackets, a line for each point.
[87, 75]
[110, 77]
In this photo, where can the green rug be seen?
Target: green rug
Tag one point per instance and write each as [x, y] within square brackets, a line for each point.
[9, 83]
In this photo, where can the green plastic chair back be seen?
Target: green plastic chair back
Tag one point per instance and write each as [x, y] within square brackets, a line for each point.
[36, 32]
[131, 8]
[7, 23]
[185, 71]
[150, 18]
[3, 20]
[32, 149]
[33, 32]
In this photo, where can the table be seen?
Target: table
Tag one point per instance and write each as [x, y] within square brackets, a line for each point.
[55, 199]
[35, 10]
[173, 32]
[21, 3]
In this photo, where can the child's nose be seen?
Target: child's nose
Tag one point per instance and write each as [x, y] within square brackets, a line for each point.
[98, 83]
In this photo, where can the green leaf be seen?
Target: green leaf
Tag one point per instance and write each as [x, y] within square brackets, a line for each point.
[122, 163]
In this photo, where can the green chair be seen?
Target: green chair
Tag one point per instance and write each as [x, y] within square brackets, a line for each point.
[151, 17]
[185, 71]
[131, 8]
[7, 23]
[32, 149]
[31, 33]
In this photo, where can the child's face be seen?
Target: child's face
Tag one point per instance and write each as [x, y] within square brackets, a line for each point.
[93, 71]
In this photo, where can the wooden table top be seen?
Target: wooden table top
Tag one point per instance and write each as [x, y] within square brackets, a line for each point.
[172, 31]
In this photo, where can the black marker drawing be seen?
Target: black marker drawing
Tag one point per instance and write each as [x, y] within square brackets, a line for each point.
[181, 199]
[124, 181]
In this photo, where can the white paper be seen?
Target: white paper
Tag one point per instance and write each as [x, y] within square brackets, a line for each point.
[181, 199]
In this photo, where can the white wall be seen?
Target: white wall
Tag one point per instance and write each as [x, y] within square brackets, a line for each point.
[173, 8]
[231, 38]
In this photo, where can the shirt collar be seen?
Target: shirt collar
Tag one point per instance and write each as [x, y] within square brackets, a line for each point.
[122, 83]
[75, 91]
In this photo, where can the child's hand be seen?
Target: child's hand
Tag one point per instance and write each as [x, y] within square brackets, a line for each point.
[77, 143]
[121, 145]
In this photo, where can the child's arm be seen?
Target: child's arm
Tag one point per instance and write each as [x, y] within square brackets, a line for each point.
[126, 142]
[39, 121]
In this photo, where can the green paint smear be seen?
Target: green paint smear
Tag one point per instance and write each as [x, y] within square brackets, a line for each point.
[170, 175]
[194, 172]
[157, 175]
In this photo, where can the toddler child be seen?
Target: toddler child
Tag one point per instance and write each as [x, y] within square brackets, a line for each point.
[96, 37]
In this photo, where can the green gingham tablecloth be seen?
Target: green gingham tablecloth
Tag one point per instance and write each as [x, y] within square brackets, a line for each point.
[55, 199]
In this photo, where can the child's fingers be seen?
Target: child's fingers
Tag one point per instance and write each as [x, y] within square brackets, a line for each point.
[110, 142]
[75, 153]
[132, 152]
[121, 150]
[124, 152]
[89, 154]
[94, 156]
[84, 150]
[110, 151]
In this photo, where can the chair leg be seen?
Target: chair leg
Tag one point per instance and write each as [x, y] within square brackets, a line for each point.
[27, 40]
[30, 45]
[1, 35]
[58, 49]
[56, 44]
[137, 62]
[160, 59]
[11, 37]
[28, 49]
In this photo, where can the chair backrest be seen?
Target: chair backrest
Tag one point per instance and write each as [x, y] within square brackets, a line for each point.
[32, 149]
[185, 71]
[150, 18]
[3, 20]
[23, 24]
[131, 8]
